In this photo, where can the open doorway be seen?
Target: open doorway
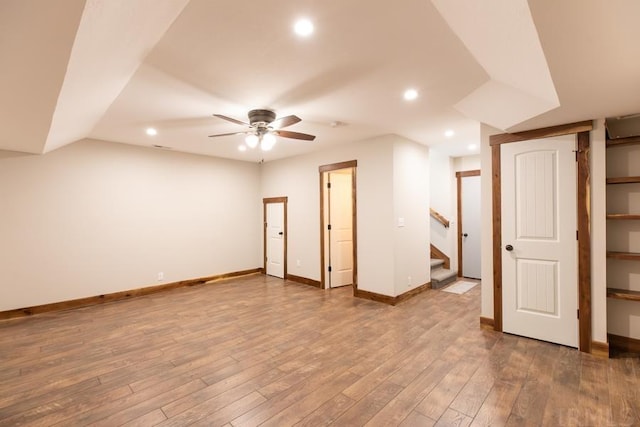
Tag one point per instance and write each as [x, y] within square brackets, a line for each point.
[338, 225]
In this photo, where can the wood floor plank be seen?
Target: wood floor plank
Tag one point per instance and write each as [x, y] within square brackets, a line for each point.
[360, 413]
[416, 419]
[328, 412]
[260, 350]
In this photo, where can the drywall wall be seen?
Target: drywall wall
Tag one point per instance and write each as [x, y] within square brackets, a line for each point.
[598, 230]
[98, 217]
[411, 213]
[298, 178]
[442, 198]
[486, 298]
[466, 163]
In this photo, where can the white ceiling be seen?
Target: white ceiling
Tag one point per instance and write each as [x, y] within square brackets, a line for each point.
[108, 69]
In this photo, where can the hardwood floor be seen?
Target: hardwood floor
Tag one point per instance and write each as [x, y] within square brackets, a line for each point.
[261, 351]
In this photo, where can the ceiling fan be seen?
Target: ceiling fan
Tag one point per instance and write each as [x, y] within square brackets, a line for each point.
[264, 127]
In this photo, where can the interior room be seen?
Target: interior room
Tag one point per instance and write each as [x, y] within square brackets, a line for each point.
[319, 212]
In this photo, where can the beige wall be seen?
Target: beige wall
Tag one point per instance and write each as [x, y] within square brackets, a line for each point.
[598, 232]
[411, 207]
[99, 217]
[298, 179]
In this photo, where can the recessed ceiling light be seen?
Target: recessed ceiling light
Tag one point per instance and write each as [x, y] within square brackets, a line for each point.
[242, 148]
[449, 133]
[472, 147]
[303, 27]
[151, 131]
[410, 94]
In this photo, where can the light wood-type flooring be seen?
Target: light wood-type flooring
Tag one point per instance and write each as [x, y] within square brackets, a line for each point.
[262, 351]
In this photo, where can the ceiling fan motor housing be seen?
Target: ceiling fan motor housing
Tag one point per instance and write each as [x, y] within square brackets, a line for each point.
[261, 117]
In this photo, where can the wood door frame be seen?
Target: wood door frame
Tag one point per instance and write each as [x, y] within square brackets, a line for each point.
[265, 202]
[351, 164]
[459, 176]
[583, 209]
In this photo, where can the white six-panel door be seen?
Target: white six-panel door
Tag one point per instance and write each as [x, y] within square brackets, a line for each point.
[275, 239]
[539, 245]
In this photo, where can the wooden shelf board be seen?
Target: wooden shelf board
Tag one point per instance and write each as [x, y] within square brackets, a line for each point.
[623, 180]
[623, 216]
[625, 294]
[623, 141]
[624, 255]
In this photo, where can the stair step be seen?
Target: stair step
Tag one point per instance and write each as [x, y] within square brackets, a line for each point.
[442, 277]
[436, 262]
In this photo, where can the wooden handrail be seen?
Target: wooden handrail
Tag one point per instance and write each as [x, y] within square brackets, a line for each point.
[438, 217]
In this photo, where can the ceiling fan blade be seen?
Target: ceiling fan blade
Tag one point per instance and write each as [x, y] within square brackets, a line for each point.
[294, 135]
[283, 122]
[232, 120]
[226, 134]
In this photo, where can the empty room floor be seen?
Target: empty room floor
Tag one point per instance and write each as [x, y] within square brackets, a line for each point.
[263, 351]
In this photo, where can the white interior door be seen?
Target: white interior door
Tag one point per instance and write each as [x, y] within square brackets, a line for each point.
[341, 230]
[275, 239]
[539, 245]
[470, 227]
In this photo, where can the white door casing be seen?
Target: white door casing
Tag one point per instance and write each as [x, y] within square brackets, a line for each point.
[275, 239]
[471, 226]
[540, 272]
[341, 233]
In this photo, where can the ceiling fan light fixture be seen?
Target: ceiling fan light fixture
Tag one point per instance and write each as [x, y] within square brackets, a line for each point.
[267, 142]
[251, 140]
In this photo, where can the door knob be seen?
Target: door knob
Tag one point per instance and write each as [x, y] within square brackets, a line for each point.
[280, 233]
[509, 248]
[465, 235]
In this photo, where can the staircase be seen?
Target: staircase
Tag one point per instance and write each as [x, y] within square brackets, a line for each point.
[440, 276]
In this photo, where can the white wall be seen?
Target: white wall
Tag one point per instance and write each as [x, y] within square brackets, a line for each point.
[442, 198]
[598, 232]
[298, 179]
[98, 217]
[466, 163]
[411, 206]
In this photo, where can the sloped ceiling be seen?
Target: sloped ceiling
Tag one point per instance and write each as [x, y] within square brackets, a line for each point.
[108, 69]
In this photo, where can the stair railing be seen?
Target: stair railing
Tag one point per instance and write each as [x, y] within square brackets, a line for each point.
[439, 217]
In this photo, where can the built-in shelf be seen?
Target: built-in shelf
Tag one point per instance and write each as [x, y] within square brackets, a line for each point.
[626, 294]
[623, 216]
[624, 255]
[623, 141]
[624, 180]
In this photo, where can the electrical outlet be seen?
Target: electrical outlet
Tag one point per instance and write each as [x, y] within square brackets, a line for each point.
[409, 281]
[297, 263]
[161, 276]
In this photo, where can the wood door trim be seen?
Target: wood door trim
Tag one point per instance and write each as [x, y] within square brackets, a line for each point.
[337, 166]
[496, 187]
[567, 129]
[350, 164]
[265, 201]
[459, 176]
[583, 138]
[584, 241]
